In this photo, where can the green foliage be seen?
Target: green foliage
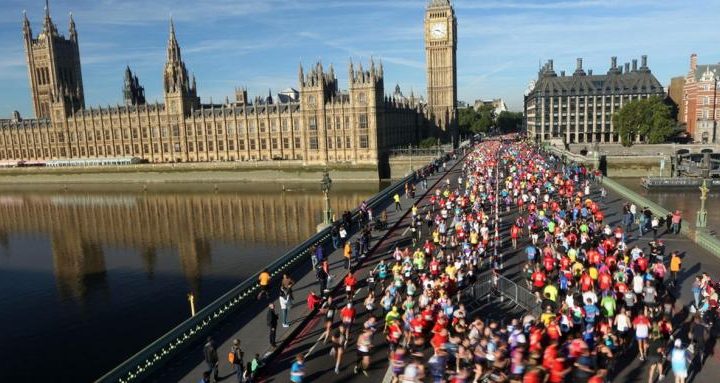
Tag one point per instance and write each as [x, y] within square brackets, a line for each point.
[650, 117]
[509, 121]
[471, 121]
[427, 143]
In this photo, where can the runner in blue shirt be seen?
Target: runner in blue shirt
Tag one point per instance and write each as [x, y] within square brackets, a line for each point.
[297, 370]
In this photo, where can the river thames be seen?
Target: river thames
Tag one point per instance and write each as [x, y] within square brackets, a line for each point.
[88, 279]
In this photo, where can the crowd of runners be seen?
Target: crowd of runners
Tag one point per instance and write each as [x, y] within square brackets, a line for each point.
[602, 299]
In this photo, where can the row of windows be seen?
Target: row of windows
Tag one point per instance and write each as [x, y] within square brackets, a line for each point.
[252, 144]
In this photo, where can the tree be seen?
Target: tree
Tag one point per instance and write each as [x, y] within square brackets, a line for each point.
[509, 121]
[650, 117]
[429, 142]
[471, 121]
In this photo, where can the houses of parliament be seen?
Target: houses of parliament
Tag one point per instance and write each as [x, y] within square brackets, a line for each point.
[317, 124]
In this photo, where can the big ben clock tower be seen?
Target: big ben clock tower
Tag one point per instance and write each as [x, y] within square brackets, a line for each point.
[440, 57]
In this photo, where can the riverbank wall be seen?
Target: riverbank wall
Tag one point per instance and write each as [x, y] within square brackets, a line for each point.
[283, 172]
[213, 173]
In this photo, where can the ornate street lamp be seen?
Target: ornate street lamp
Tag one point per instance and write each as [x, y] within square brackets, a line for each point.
[702, 213]
[325, 186]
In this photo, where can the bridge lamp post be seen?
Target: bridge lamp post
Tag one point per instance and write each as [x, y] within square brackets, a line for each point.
[412, 169]
[325, 186]
[702, 213]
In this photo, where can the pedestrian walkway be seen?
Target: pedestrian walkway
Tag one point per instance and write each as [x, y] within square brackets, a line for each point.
[249, 324]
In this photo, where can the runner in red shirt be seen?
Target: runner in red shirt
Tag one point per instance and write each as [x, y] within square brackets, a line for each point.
[350, 283]
[347, 315]
[538, 279]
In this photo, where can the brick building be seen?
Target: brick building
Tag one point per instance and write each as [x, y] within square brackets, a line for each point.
[699, 100]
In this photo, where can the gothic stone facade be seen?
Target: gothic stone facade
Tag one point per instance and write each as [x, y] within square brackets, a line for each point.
[326, 125]
[579, 108]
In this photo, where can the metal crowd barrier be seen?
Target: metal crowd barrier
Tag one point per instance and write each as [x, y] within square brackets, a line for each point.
[488, 286]
[162, 350]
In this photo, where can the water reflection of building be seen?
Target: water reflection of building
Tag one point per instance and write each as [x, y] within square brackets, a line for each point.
[188, 223]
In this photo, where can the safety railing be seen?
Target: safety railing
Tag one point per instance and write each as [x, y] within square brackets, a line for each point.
[159, 352]
[417, 151]
[489, 286]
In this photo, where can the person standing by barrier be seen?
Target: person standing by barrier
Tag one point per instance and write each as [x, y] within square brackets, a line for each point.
[675, 264]
[347, 252]
[396, 198]
[284, 300]
[272, 321]
[675, 222]
[264, 281]
[211, 358]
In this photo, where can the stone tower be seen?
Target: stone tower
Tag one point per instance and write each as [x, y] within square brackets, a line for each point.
[54, 69]
[133, 92]
[440, 56]
[180, 90]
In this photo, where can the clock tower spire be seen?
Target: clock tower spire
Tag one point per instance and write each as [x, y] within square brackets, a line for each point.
[441, 62]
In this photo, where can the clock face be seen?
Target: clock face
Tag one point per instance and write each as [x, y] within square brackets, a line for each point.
[438, 30]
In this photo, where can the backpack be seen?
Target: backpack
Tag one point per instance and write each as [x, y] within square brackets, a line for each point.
[231, 357]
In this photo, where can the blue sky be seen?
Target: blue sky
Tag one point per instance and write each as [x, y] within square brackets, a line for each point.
[259, 43]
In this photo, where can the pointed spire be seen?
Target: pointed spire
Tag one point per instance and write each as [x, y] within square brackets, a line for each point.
[351, 72]
[381, 69]
[173, 49]
[301, 75]
[72, 28]
[48, 26]
[27, 31]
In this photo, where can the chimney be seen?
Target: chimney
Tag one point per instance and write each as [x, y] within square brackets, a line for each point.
[578, 64]
[627, 67]
[643, 61]
[550, 64]
[634, 65]
[613, 62]
[693, 62]
[562, 73]
[589, 72]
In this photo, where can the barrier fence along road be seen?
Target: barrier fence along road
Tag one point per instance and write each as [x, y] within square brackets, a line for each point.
[149, 359]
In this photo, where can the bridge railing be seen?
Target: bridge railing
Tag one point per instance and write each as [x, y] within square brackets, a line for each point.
[416, 151]
[162, 350]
